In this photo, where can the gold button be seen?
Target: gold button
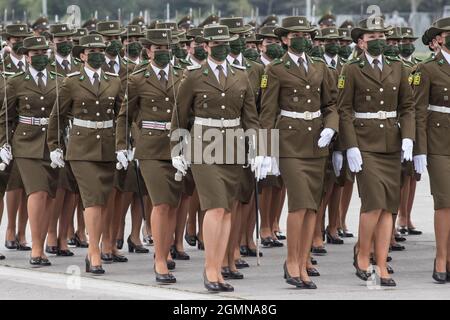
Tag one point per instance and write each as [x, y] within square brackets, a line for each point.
[309, 128]
[43, 109]
[42, 98]
[290, 127]
[362, 124]
[150, 133]
[223, 107]
[43, 129]
[26, 98]
[204, 96]
[309, 100]
[438, 124]
[308, 86]
[223, 94]
[82, 103]
[367, 90]
[24, 133]
[78, 133]
[295, 90]
[169, 111]
[98, 136]
[381, 125]
[97, 102]
[394, 88]
[108, 111]
[223, 131]
[381, 102]
[167, 99]
[381, 89]
[153, 100]
[85, 111]
[445, 89]
[98, 114]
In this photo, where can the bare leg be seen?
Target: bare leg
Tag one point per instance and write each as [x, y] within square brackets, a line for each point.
[64, 220]
[346, 197]
[442, 234]
[333, 210]
[191, 224]
[383, 236]
[225, 229]
[13, 199]
[94, 225]
[274, 209]
[412, 194]
[265, 207]
[160, 232]
[294, 228]
[368, 222]
[212, 232]
[81, 227]
[404, 197]
[52, 237]
[235, 233]
[251, 224]
[319, 228]
[306, 236]
[279, 209]
[182, 213]
[107, 218]
[136, 219]
[38, 204]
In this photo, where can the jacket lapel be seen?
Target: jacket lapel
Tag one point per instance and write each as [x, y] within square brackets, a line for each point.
[387, 70]
[174, 77]
[231, 78]
[292, 67]
[86, 82]
[31, 83]
[367, 69]
[442, 63]
[210, 77]
[153, 79]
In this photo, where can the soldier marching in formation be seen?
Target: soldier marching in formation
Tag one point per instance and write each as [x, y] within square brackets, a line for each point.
[106, 117]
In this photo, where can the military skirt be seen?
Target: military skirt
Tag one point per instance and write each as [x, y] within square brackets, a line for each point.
[37, 175]
[217, 184]
[304, 180]
[67, 180]
[159, 177]
[247, 186]
[4, 176]
[15, 181]
[270, 181]
[439, 171]
[126, 180]
[188, 183]
[346, 175]
[379, 181]
[95, 181]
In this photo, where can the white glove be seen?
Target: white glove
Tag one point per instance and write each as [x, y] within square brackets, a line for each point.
[407, 149]
[338, 160]
[261, 166]
[6, 154]
[275, 169]
[420, 163]
[325, 137]
[130, 154]
[180, 163]
[354, 159]
[57, 157]
[122, 159]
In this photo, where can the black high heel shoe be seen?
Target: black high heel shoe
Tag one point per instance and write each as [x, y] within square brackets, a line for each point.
[64, 253]
[11, 245]
[280, 235]
[210, 286]
[313, 272]
[51, 249]
[119, 258]
[20, 246]
[387, 282]
[267, 242]
[363, 275]
[107, 257]
[132, 247]
[252, 253]
[93, 269]
[2, 257]
[191, 240]
[439, 277]
[243, 250]
[293, 281]
[226, 287]
[178, 255]
[308, 285]
[80, 243]
[414, 232]
[119, 244]
[200, 245]
[166, 278]
[241, 264]
[313, 261]
[333, 239]
[319, 251]
[227, 274]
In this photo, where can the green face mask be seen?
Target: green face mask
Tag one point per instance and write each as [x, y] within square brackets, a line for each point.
[376, 47]
[39, 62]
[331, 49]
[114, 48]
[299, 44]
[317, 51]
[237, 46]
[392, 51]
[134, 49]
[96, 59]
[161, 58]
[406, 49]
[274, 51]
[220, 52]
[64, 48]
[345, 51]
[180, 53]
[251, 54]
[200, 53]
[16, 46]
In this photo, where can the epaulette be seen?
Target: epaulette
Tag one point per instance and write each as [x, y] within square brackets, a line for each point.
[429, 59]
[190, 68]
[354, 60]
[53, 64]
[177, 66]
[56, 74]
[418, 59]
[8, 73]
[139, 71]
[238, 67]
[317, 59]
[393, 58]
[73, 74]
[277, 61]
[186, 62]
[17, 74]
[111, 74]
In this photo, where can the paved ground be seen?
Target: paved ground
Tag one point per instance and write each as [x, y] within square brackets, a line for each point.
[134, 280]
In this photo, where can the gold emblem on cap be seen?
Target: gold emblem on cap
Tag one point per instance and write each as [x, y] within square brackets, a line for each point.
[111, 25]
[38, 39]
[21, 28]
[301, 21]
[220, 31]
[164, 34]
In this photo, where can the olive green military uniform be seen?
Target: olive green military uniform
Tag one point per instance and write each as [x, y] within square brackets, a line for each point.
[150, 106]
[379, 140]
[432, 88]
[4, 175]
[90, 149]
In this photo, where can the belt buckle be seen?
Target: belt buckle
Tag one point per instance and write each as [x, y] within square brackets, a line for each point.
[43, 121]
[167, 125]
[308, 115]
[382, 115]
[225, 123]
[99, 125]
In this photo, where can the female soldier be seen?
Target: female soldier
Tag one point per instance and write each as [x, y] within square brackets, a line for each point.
[431, 91]
[301, 89]
[31, 95]
[92, 97]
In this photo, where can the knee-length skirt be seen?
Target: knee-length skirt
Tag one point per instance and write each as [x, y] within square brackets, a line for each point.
[15, 181]
[37, 175]
[439, 171]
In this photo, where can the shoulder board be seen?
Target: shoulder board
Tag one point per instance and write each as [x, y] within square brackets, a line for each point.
[352, 61]
[418, 59]
[111, 74]
[238, 67]
[17, 74]
[277, 61]
[8, 73]
[317, 59]
[139, 71]
[73, 74]
[429, 59]
[179, 67]
[53, 63]
[185, 61]
[190, 68]
[56, 73]
[390, 58]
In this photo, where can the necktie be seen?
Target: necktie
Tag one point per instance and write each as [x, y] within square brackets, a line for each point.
[301, 65]
[222, 78]
[236, 62]
[65, 64]
[96, 83]
[376, 68]
[333, 63]
[41, 84]
[162, 79]
[112, 63]
[20, 65]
